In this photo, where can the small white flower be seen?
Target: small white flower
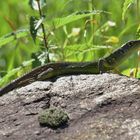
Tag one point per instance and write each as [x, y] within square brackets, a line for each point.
[75, 31]
[111, 23]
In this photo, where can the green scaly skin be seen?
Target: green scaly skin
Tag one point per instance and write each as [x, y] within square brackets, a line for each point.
[67, 68]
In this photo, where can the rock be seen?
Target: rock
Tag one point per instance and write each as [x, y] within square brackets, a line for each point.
[100, 107]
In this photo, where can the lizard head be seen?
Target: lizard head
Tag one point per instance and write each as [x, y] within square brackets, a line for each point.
[132, 43]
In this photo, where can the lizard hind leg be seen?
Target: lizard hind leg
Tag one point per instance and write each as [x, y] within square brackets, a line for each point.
[104, 66]
[46, 74]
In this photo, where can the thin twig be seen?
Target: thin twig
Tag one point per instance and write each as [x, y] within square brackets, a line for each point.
[44, 33]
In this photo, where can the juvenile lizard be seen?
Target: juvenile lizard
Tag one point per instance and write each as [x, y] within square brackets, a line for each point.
[66, 68]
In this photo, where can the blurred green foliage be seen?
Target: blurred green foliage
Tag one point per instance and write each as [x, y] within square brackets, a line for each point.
[85, 39]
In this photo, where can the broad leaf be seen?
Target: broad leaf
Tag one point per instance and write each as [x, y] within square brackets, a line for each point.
[33, 29]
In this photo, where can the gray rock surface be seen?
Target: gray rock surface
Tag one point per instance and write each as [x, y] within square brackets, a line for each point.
[100, 107]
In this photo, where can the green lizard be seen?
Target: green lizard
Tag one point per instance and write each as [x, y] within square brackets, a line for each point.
[66, 68]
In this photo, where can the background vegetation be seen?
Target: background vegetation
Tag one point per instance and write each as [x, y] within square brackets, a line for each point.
[113, 23]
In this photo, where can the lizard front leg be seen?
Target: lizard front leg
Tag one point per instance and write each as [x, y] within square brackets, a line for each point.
[46, 74]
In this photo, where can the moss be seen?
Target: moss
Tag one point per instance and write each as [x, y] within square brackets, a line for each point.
[53, 117]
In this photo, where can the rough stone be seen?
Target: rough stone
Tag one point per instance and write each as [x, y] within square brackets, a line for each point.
[100, 107]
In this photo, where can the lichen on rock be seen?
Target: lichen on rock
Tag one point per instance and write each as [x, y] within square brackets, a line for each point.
[53, 117]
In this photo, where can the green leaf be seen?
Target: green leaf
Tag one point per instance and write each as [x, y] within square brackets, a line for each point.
[34, 4]
[7, 77]
[13, 36]
[126, 5]
[126, 72]
[138, 32]
[14, 72]
[35, 26]
[81, 47]
[58, 22]
[81, 52]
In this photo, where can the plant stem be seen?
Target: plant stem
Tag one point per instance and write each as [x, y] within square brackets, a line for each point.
[137, 11]
[44, 33]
